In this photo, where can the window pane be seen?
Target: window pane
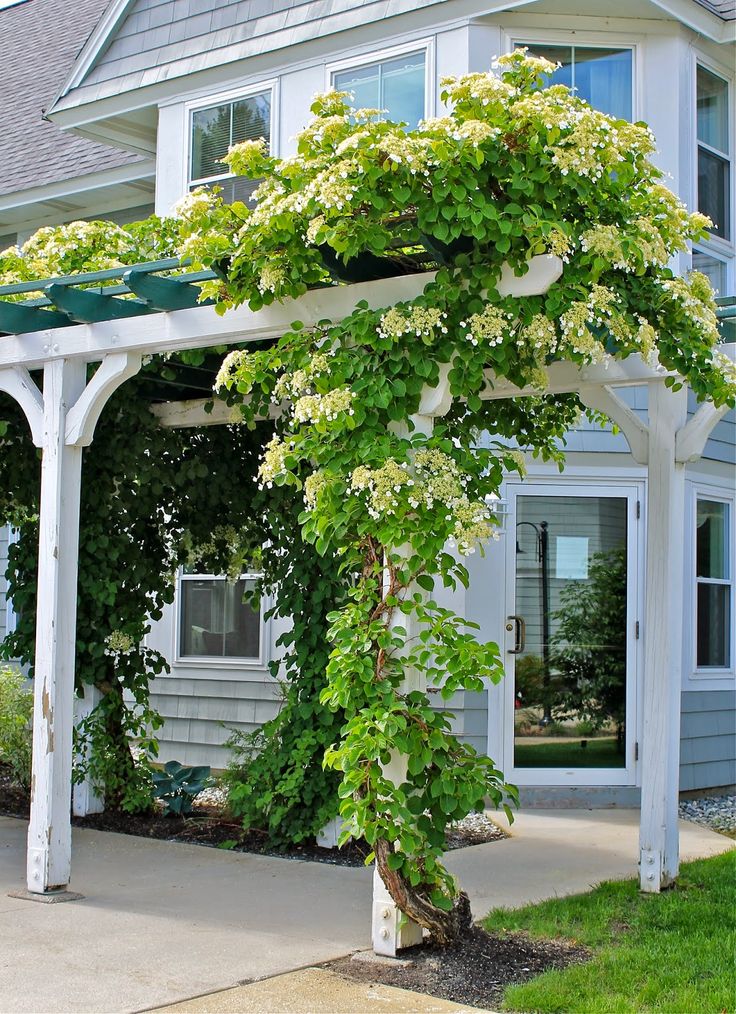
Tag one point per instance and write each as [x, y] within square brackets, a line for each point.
[252, 118]
[712, 539]
[603, 78]
[210, 140]
[214, 130]
[713, 267]
[364, 84]
[712, 110]
[403, 89]
[216, 622]
[714, 199]
[714, 616]
[396, 86]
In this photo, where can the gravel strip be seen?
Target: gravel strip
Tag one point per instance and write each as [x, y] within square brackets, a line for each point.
[716, 812]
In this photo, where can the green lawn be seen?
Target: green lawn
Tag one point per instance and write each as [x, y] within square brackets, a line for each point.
[599, 753]
[672, 952]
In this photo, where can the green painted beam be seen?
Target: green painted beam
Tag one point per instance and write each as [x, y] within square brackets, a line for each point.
[16, 318]
[162, 293]
[38, 284]
[88, 307]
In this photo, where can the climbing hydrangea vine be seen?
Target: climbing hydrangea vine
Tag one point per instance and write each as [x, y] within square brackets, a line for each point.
[513, 170]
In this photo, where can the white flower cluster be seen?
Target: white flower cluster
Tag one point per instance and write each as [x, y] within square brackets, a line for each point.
[118, 643]
[433, 478]
[195, 204]
[317, 408]
[272, 276]
[382, 486]
[597, 310]
[539, 337]
[695, 296]
[273, 462]
[313, 486]
[485, 89]
[231, 364]
[490, 327]
[421, 321]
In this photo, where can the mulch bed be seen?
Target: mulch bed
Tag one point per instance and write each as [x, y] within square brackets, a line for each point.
[211, 826]
[475, 971]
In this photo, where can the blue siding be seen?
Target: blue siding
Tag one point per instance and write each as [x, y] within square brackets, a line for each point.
[708, 739]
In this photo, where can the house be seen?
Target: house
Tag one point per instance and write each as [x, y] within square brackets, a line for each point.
[166, 86]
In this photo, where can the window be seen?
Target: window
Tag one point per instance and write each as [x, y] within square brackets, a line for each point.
[214, 620]
[215, 129]
[714, 267]
[603, 77]
[714, 168]
[713, 584]
[396, 85]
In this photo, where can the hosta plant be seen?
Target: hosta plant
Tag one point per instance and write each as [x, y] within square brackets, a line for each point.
[177, 786]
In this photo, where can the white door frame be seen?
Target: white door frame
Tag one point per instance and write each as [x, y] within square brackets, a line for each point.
[501, 748]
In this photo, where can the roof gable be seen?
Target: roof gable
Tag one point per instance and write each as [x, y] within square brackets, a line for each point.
[39, 42]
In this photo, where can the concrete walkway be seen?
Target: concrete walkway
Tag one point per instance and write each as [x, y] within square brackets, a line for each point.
[164, 922]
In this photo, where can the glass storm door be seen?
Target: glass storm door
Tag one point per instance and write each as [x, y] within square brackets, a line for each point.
[571, 636]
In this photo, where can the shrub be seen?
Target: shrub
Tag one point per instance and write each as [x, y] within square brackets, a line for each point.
[16, 735]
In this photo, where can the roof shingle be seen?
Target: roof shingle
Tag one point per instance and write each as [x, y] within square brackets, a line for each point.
[39, 42]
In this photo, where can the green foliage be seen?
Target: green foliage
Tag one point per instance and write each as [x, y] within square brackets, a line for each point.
[16, 714]
[277, 780]
[670, 952]
[148, 499]
[588, 655]
[177, 786]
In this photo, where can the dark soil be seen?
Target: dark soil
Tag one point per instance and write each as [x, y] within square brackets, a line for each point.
[210, 825]
[476, 970]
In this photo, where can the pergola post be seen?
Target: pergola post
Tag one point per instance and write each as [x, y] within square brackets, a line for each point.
[49, 832]
[658, 834]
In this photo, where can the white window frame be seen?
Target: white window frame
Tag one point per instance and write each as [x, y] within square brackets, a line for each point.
[221, 99]
[530, 37]
[715, 246]
[702, 674]
[374, 56]
[259, 662]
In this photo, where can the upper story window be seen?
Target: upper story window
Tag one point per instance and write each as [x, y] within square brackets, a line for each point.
[395, 84]
[215, 129]
[714, 584]
[714, 161]
[603, 77]
[215, 620]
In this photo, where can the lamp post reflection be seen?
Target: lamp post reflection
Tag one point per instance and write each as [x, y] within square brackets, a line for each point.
[541, 532]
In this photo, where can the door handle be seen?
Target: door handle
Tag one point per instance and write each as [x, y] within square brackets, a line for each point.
[519, 625]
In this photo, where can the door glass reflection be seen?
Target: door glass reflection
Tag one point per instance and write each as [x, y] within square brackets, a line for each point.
[571, 604]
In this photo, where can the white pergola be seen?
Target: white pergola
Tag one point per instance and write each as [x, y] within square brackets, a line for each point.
[62, 419]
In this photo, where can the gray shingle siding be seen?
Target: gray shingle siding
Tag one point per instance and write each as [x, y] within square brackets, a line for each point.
[150, 46]
[708, 739]
[39, 43]
[200, 714]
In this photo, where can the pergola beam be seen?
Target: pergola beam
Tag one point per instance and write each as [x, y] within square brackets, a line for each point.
[202, 327]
